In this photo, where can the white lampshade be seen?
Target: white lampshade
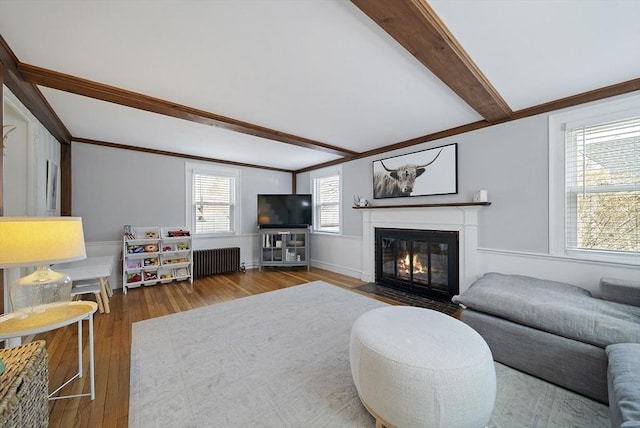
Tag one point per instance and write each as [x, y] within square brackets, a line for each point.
[41, 241]
[30, 241]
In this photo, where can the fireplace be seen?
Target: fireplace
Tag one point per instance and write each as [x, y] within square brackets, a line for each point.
[462, 219]
[418, 261]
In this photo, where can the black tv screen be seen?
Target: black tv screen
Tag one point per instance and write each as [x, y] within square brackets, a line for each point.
[284, 210]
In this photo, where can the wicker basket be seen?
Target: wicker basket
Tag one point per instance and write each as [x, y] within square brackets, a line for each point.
[24, 386]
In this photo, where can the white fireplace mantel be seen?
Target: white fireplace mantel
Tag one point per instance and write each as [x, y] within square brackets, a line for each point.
[463, 219]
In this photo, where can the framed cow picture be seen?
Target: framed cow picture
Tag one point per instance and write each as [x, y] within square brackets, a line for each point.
[428, 172]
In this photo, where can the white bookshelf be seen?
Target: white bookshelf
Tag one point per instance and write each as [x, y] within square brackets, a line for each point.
[156, 255]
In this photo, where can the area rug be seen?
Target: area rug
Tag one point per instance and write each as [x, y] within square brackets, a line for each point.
[281, 359]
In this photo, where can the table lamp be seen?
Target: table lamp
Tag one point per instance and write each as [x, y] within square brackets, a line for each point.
[40, 241]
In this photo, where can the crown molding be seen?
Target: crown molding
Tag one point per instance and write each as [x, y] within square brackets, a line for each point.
[173, 154]
[562, 103]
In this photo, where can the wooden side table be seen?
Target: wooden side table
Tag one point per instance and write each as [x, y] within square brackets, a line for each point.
[24, 386]
[52, 317]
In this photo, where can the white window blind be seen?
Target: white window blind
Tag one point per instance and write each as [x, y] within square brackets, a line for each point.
[327, 203]
[603, 187]
[213, 203]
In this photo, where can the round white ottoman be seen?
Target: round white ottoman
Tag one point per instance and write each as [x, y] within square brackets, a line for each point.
[416, 367]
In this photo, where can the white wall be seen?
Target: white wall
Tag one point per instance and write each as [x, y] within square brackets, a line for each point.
[113, 187]
[28, 148]
[510, 160]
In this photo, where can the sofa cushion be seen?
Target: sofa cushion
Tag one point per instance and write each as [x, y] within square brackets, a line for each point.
[620, 290]
[623, 375]
[555, 307]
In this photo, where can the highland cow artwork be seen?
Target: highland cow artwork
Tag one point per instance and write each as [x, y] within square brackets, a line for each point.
[428, 172]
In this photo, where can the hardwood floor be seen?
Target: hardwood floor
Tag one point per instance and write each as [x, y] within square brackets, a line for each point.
[112, 334]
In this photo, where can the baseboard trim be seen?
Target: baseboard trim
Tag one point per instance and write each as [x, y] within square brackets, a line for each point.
[336, 268]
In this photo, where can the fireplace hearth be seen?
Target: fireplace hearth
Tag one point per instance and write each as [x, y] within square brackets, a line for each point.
[423, 262]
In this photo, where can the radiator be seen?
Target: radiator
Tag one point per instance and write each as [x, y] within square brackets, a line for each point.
[215, 260]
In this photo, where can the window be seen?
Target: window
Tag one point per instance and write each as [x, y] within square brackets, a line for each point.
[212, 208]
[326, 202]
[603, 186]
[601, 183]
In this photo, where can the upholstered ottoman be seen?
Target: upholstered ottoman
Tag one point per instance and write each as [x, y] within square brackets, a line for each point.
[416, 367]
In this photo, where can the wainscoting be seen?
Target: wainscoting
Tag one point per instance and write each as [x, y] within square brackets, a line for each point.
[584, 273]
[247, 243]
[343, 255]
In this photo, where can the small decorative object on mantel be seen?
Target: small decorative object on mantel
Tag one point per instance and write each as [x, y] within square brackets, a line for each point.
[359, 202]
[480, 196]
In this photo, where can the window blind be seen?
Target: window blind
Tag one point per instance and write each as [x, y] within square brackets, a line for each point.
[603, 186]
[213, 203]
[327, 200]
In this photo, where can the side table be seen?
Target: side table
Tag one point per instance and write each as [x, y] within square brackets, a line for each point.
[24, 386]
[51, 317]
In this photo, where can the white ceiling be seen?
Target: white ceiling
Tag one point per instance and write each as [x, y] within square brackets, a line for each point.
[318, 69]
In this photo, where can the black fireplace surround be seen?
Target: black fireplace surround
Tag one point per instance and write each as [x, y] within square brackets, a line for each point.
[423, 262]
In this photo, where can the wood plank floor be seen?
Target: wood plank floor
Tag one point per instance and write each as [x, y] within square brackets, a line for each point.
[112, 334]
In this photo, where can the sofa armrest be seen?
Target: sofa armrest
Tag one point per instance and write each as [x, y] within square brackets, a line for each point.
[623, 379]
[620, 291]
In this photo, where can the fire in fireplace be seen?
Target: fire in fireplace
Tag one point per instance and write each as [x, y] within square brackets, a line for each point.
[419, 261]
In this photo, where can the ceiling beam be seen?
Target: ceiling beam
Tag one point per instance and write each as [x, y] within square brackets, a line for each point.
[414, 25]
[173, 154]
[65, 82]
[31, 96]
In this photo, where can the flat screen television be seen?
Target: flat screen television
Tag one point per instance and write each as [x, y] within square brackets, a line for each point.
[284, 210]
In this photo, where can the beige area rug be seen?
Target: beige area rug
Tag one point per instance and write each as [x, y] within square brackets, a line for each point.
[281, 359]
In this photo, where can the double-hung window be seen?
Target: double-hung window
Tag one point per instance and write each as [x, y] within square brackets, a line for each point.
[326, 201]
[212, 206]
[601, 191]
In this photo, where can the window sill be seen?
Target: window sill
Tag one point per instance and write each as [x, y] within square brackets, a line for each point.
[603, 257]
[323, 232]
[213, 235]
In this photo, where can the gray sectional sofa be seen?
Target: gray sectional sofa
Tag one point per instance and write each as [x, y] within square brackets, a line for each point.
[561, 333]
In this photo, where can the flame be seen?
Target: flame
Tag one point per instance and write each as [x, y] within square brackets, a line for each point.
[418, 267]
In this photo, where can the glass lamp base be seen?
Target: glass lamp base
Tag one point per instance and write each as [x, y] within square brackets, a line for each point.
[43, 287]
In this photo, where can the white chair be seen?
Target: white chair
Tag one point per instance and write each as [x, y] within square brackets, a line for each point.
[79, 288]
